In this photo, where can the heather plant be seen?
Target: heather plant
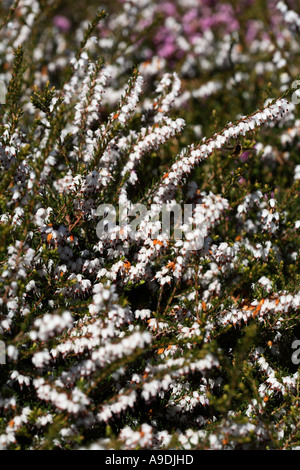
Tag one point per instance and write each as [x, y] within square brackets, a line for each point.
[115, 332]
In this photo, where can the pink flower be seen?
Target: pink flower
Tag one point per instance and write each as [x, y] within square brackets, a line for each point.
[62, 23]
[169, 8]
[245, 156]
[167, 50]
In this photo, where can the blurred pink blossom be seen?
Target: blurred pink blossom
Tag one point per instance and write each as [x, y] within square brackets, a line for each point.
[62, 23]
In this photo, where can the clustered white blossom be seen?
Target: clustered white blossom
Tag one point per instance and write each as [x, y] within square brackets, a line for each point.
[290, 16]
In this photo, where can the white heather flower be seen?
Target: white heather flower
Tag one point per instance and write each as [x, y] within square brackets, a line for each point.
[266, 283]
[131, 100]
[143, 314]
[41, 358]
[44, 420]
[50, 324]
[12, 352]
[297, 172]
[290, 16]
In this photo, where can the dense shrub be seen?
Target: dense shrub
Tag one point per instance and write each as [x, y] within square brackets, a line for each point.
[149, 340]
